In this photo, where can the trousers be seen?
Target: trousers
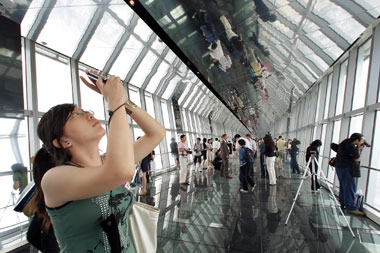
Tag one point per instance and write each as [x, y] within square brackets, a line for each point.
[224, 168]
[244, 178]
[347, 188]
[183, 169]
[270, 167]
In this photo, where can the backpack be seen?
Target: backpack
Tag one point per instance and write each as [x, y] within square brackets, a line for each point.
[249, 157]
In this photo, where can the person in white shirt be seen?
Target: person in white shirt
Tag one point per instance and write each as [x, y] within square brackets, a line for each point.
[252, 143]
[248, 144]
[215, 145]
[253, 147]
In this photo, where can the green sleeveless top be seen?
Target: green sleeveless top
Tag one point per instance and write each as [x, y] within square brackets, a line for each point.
[77, 224]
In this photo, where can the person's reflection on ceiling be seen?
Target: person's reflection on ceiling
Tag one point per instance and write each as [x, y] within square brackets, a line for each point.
[236, 46]
[207, 27]
[263, 11]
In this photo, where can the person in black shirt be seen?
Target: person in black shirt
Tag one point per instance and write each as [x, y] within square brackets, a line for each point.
[313, 148]
[348, 168]
[293, 156]
[174, 151]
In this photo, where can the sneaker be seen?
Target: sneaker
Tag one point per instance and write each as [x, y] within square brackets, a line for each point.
[243, 191]
[356, 212]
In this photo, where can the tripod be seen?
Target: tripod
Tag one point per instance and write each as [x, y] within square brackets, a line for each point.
[312, 174]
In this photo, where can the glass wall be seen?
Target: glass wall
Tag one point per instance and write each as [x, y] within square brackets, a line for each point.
[350, 85]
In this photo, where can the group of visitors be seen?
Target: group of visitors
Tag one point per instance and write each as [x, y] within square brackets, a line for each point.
[79, 195]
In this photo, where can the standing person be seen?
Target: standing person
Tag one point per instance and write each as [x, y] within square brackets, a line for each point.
[204, 153]
[293, 156]
[281, 153]
[270, 154]
[215, 145]
[288, 149]
[174, 151]
[79, 191]
[254, 150]
[244, 167]
[348, 169]
[144, 167]
[197, 154]
[20, 176]
[313, 148]
[210, 154]
[225, 156]
[183, 151]
[264, 172]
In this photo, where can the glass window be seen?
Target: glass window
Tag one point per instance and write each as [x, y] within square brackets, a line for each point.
[165, 114]
[144, 69]
[335, 139]
[328, 93]
[30, 16]
[14, 143]
[170, 88]
[52, 90]
[102, 43]
[375, 160]
[127, 57]
[341, 87]
[138, 133]
[356, 124]
[142, 30]
[361, 77]
[72, 20]
[149, 105]
[10, 219]
[157, 77]
[185, 93]
[184, 119]
[373, 196]
[134, 95]
[91, 100]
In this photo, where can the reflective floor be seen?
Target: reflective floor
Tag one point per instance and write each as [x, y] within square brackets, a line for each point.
[211, 215]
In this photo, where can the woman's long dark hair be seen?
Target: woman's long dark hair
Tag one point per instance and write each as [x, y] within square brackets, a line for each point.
[269, 143]
[49, 128]
[316, 143]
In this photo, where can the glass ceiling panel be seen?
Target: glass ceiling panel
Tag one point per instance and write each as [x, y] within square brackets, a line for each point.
[191, 97]
[144, 69]
[143, 30]
[158, 45]
[373, 6]
[123, 11]
[349, 29]
[169, 90]
[184, 94]
[30, 16]
[157, 77]
[170, 56]
[67, 19]
[321, 64]
[127, 57]
[102, 42]
[310, 26]
[290, 14]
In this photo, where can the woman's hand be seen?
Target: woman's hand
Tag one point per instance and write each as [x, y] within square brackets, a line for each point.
[113, 90]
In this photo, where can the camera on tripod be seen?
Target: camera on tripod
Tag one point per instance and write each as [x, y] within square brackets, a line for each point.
[313, 153]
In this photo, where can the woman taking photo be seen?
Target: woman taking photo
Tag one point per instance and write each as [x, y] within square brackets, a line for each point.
[80, 192]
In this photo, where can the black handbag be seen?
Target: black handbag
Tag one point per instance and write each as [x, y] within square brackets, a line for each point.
[36, 236]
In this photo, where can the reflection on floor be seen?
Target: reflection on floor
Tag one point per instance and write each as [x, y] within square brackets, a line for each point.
[211, 215]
